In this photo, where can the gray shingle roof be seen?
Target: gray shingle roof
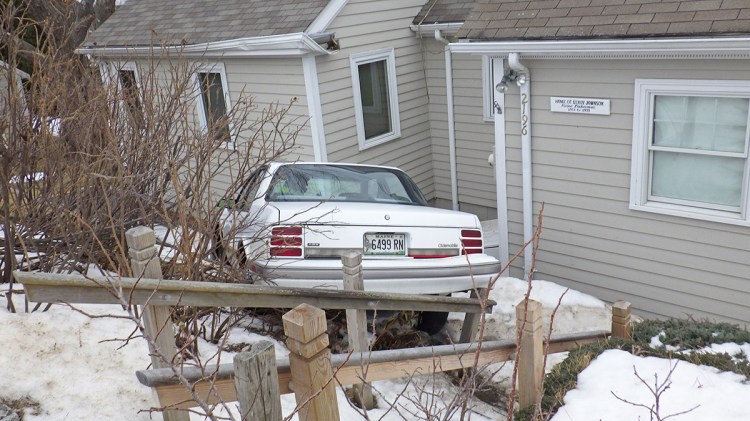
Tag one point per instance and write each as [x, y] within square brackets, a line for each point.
[555, 19]
[152, 22]
[444, 11]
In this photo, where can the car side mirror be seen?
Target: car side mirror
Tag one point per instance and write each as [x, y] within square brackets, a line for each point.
[226, 203]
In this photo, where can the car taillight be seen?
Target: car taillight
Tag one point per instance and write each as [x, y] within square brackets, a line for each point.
[286, 242]
[471, 241]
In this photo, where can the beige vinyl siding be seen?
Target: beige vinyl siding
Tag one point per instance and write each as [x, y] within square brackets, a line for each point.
[272, 81]
[474, 136]
[267, 82]
[365, 26]
[591, 241]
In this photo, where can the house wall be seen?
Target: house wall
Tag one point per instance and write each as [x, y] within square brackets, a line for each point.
[666, 266]
[364, 26]
[474, 136]
[255, 85]
[268, 83]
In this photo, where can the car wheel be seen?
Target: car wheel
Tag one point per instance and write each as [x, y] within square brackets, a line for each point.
[231, 256]
[218, 244]
[432, 322]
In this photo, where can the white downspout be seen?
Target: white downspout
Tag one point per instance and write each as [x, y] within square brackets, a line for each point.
[314, 108]
[514, 63]
[451, 119]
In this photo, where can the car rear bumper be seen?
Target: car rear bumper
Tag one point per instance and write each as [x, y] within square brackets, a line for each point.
[412, 276]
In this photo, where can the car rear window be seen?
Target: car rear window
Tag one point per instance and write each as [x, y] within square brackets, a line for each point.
[343, 183]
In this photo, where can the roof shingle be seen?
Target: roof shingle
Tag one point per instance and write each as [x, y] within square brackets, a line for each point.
[174, 22]
[606, 19]
[443, 11]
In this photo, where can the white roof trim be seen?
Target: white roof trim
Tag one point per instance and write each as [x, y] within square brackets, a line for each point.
[428, 30]
[289, 45]
[661, 48]
[326, 16]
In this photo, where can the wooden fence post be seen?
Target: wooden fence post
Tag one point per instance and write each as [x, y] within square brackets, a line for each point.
[157, 320]
[257, 383]
[310, 362]
[621, 326]
[530, 352]
[471, 320]
[356, 325]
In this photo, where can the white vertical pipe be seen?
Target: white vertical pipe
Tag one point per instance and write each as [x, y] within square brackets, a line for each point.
[528, 210]
[451, 121]
[314, 108]
[501, 175]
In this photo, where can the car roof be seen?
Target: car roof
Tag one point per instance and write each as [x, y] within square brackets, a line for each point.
[274, 165]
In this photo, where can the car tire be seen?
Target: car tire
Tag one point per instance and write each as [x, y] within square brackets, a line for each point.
[218, 245]
[432, 322]
[219, 249]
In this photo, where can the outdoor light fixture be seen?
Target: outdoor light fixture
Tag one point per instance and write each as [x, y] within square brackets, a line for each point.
[511, 76]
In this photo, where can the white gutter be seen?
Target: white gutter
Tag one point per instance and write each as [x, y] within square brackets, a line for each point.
[661, 48]
[514, 63]
[446, 29]
[289, 45]
[451, 120]
[314, 108]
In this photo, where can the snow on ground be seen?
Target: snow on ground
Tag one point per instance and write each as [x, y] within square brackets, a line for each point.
[578, 311]
[715, 395]
[58, 359]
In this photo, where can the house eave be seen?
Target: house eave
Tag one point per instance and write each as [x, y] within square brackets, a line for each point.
[287, 45]
[428, 30]
[656, 48]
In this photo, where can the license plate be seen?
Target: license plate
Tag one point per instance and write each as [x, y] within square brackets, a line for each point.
[389, 244]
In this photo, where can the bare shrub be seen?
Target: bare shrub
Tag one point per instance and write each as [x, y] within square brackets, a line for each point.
[84, 160]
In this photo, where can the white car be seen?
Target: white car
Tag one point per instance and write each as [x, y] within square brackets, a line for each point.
[292, 222]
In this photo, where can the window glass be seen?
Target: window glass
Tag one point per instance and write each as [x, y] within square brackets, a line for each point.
[703, 123]
[249, 190]
[214, 104]
[131, 96]
[704, 128]
[343, 183]
[373, 87]
[129, 88]
[375, 97]
[697, 178]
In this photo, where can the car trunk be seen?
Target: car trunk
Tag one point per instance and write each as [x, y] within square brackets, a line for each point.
[391, 231]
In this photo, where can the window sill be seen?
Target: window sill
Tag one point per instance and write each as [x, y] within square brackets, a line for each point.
[710, 215]
[379, 140]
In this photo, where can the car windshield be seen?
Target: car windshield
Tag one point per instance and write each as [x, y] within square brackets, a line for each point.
[343, 183]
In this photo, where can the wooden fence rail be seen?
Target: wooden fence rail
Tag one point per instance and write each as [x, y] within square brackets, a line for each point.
[53, 288]
[381, 365]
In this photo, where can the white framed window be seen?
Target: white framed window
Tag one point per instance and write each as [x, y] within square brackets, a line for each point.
[124, 81]
[690, 149]
[130, 91]
[375, 97]
[214, 106]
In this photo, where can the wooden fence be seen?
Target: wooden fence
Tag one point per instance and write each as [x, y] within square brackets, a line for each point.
[158, 295]
[256, 378]
[349, 369]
